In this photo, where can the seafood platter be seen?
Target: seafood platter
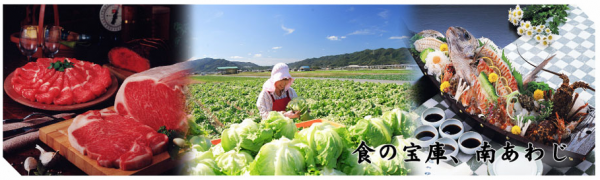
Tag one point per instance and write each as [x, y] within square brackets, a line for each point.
[480, 85]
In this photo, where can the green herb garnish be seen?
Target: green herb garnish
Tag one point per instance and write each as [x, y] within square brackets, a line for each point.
[172, 148]
[539, 14]
[61, 65]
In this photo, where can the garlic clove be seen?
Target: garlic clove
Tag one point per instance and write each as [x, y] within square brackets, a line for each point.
[48, 159]
[179, 142]
[30, 164]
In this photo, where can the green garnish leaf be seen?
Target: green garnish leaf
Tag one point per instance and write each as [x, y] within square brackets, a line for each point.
[61, 65]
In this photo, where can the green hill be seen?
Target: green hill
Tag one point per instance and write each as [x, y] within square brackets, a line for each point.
[210, 65]
[366, 57]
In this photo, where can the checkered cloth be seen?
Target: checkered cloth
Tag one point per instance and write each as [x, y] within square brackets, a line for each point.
[574, 49]
[587, 167]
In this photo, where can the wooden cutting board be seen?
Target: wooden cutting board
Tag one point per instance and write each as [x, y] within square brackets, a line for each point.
[55, 136]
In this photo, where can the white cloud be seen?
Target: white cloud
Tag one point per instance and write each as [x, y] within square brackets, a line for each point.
[278, 47]
[288, 30]
[249, 54]
[398, 37]
[343, 37]
[359, 32]
[333, 38]
[257, 55]
[215, 16]
[219, 14]
[384, 14]
[236, 57]
[192, 58]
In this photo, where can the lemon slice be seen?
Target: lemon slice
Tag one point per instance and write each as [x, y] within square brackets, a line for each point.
[504, 81]
[508, 90]
[496, 70]
[488, 61]
[30, 32]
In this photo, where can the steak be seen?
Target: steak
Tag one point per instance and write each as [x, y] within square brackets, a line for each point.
[127, 59]
[155, 97]
[114, 140]
[140, 54]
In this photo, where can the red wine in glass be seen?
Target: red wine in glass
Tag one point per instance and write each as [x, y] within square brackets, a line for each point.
[28, 43]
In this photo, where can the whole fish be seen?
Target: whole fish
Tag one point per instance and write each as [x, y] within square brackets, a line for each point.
[461, 47]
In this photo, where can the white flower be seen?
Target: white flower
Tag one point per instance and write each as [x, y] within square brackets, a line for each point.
[510, 18]
[541, 26]
[435, 62]
[521, 30]
[545, 43]
[534, 28]
[518, 7]
[529, 33]
[519, 13]
[538, 38]
[515, 22]
[539, 30]
[551, 38]
[527, 25]
[547, 30]
[522, 23]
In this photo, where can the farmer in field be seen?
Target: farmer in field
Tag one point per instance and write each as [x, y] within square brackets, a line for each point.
[277, 93]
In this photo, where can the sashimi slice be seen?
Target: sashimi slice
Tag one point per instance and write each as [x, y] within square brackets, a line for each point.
[498, 62]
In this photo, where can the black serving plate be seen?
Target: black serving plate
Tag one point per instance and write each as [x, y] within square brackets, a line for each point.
[579, 144]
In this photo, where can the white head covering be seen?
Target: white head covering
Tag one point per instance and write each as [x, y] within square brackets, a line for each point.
[280, 71]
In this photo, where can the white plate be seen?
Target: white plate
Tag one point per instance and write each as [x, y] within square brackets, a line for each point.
[521, 166]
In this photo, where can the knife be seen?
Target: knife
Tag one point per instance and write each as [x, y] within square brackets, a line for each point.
[24, 130]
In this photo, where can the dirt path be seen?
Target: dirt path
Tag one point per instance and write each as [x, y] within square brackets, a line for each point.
[357, 80]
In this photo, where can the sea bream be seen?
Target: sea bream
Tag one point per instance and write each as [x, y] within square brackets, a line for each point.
[461, 47]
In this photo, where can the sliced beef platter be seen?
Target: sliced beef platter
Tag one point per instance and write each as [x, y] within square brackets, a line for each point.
[83, 82]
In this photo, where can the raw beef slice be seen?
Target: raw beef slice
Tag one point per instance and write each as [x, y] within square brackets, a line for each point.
[155, 97]
[114, 140]
[127, 59]
[141, 54]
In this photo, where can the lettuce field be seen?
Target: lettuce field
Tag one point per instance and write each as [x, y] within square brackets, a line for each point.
[220, 101]
[224, 108]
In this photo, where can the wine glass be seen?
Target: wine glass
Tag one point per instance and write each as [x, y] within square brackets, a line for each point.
[28, 43]
[51, 40]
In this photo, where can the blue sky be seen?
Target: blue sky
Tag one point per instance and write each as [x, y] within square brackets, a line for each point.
[268, 34]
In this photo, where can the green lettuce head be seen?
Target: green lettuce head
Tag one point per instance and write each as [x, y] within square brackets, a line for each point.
[298, 104]
[331, 172]
[206, 167]
[374, 131]
[394, 166]
[245, 135]
[349, 165]
[326, 141]
[391, 119]
[283, 157]
[280, 125]
[234, 163]
[200, 143]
